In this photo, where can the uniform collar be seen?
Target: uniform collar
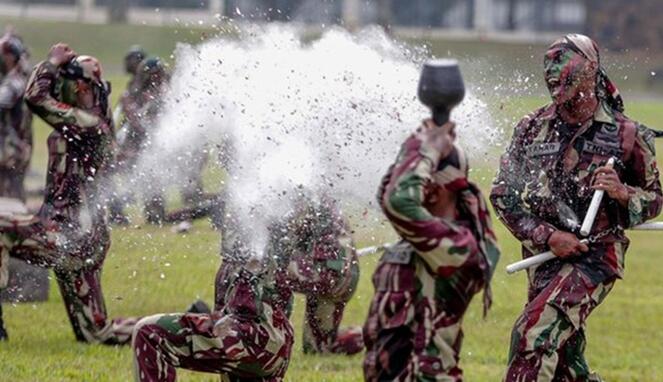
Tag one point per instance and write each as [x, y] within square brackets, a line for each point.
[603, 114]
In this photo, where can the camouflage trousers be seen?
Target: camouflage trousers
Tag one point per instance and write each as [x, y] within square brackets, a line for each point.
[243, 350]
[77, 271]
[12, 183]
[548, 339]
[322, 332]
[413, 331]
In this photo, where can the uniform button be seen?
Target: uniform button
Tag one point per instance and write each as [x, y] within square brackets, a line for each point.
[436, 366]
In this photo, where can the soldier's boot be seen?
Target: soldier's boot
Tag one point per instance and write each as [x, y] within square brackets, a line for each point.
[3, 332]
[198, 307]
[348, 341]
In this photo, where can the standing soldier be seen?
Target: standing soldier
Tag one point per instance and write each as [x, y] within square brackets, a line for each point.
[132, 61]
[424, 284]
[323, 267]
[15, 120]
[555, 162]
[70, 233]
[248, 337]
[151, 83]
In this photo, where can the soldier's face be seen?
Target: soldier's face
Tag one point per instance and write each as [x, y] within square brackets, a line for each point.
[569, 76]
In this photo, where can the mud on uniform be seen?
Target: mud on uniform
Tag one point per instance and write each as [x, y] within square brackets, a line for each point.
[425, 283]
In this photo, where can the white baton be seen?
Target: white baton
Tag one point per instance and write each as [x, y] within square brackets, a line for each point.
[545, 256]
[533, 261]
[587, 224]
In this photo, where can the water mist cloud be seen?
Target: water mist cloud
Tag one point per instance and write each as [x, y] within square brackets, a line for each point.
[328, 115]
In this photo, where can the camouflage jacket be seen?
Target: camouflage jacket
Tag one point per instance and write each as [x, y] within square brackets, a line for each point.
[321, 256]
[79, 149]
[141, 108]
[544, 180]
[15, 134]
[441, 246]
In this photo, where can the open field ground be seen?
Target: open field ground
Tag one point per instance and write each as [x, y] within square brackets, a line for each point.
[152, 270]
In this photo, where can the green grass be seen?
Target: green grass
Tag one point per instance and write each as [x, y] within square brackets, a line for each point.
[151, 270]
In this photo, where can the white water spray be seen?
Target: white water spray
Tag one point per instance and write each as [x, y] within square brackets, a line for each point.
[328, 115]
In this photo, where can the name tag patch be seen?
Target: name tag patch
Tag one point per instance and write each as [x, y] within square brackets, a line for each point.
[538, 149]
[597, 149]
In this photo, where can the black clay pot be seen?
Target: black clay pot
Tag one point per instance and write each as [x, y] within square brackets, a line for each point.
[441, 88]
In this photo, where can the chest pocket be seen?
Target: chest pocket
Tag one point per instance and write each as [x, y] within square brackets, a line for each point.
[605, 144]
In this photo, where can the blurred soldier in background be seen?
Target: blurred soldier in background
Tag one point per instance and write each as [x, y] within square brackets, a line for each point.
[142, 107]
[314, 243]
[424, 284]
[555, 162]
[144, 103]
[15, 138]
[70, 233]
[323, 267]
[15, 119]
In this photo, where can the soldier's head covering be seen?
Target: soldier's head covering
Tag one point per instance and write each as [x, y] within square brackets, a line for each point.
[575, 58]
[452, 174]
[11, 46]
[151, 72]
[88, 69]
[133, 58]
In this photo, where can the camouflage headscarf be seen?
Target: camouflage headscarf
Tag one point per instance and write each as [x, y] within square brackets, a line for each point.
[587, 49]
[452, 174]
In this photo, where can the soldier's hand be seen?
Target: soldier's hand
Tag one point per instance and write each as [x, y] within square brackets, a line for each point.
[565, 244]
[60, 53]
[606, 179]
[440, 138]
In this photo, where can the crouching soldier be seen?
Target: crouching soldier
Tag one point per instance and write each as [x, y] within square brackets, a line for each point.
[424, 284]
[70, 233]
[323, 267]
[247, 337]
[555, 162]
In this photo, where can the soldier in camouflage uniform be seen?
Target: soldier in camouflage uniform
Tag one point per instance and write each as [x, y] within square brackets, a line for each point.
[546, 180]
[323, 267]
[141, 117]
[424, 284]
[15, 120]
[70, 233]
[248, 337]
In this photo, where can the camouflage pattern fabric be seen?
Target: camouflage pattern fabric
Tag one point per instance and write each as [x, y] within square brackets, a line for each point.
[324, 268]
[424, 284]
[141, 104]
[15, 134]
[248, 337]
[70, 234]
[543, 185]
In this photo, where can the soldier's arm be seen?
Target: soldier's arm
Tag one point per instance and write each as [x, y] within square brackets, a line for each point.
[63, 117]
[11, 92]
[443, 245]
[642, 180]
[508, 188]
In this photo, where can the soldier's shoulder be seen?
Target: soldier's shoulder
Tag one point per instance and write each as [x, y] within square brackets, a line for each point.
[535, 118]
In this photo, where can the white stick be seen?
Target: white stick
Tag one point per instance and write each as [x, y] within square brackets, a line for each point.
[587, 224]
[532, 261]
[373, 249]
[545, 256]
[651, 226]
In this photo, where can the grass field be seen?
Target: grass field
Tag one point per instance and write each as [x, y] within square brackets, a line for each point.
[152, 270]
